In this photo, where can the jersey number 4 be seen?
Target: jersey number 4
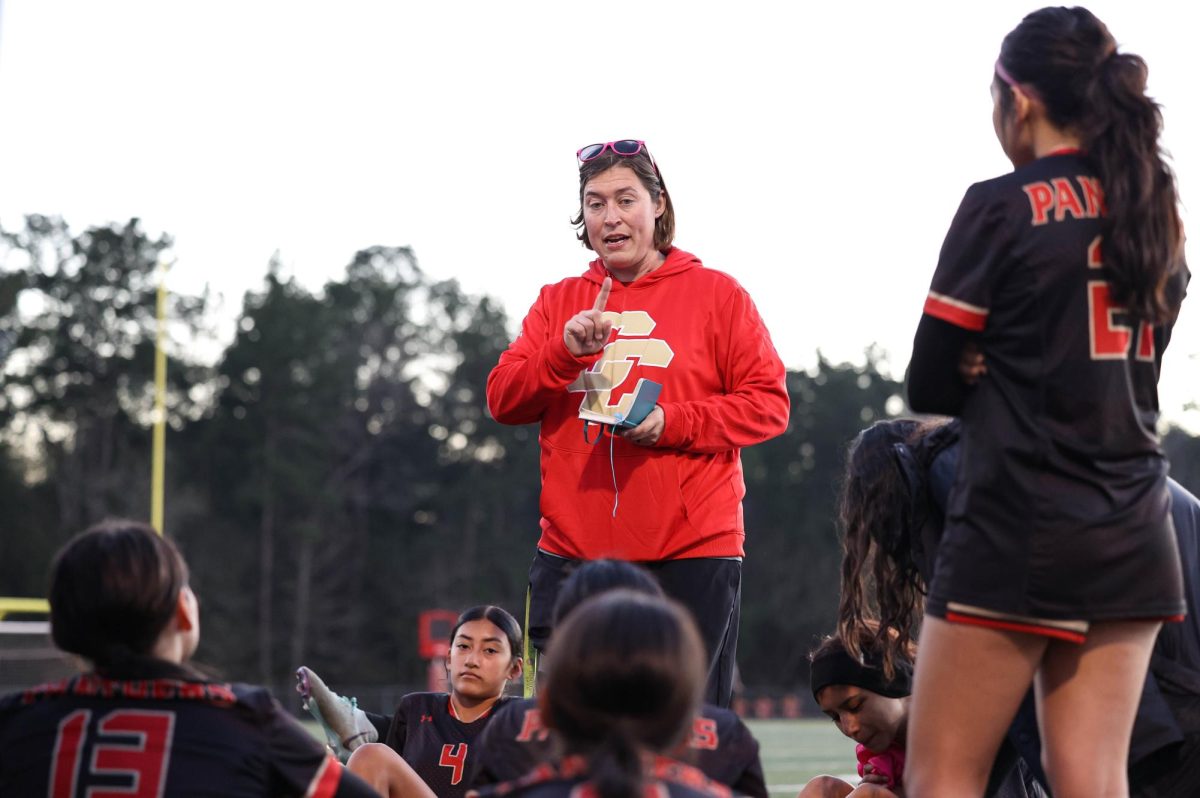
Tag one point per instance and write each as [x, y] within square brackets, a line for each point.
[1110, 340]
[131, 745]
[454, 757]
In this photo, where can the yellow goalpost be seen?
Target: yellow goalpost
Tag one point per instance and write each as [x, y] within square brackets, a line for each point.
[160, 406]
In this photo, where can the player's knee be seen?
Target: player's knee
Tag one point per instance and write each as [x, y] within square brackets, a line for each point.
[825, 787]
[950, 780]
[370, 758]
[1076, 772]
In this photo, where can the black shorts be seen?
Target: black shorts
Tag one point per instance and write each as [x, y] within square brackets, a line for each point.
[1055, 583]
[710, 588]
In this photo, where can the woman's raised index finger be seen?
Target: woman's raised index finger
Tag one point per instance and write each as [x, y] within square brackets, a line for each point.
[602, 297]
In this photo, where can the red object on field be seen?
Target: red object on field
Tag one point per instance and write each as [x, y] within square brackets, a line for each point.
[433, 633]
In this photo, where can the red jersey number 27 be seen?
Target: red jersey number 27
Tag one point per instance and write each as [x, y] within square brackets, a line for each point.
[133, 745]
[1109, 338]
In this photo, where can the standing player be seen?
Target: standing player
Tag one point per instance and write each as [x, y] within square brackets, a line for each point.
[1056, 288]
[667, 493]
[517, 740]
[142, 723]
[435, 733]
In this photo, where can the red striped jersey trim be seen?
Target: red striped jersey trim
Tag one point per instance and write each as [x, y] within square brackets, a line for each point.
[325, 783]
[1014, 626]
[454, 712]
[959, 313]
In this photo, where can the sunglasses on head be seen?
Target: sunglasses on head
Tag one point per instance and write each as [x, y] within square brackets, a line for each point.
[626, 147]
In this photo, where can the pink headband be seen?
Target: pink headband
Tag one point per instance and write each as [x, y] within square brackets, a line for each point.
[1004, 76]
[1026, 89]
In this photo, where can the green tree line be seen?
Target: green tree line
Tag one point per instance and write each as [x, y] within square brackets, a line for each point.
[335, 471]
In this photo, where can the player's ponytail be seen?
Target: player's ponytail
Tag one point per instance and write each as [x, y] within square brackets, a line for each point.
[1068, 60]
[1141, 230]
[113, 589]
[882, 504]
[627, 671]
[615, 765]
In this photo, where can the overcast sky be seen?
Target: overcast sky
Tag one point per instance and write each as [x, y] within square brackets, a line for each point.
[816, 153]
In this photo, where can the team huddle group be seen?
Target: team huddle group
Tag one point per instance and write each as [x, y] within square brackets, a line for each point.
[1023, 530]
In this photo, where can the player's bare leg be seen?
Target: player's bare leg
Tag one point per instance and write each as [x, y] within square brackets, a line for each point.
[386, 772]
[1087, 698]
[969, 682]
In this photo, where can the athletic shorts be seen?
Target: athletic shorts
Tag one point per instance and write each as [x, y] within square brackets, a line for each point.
[1055, 584]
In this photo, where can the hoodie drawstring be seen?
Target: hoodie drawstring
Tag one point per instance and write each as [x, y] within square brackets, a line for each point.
[612, 464]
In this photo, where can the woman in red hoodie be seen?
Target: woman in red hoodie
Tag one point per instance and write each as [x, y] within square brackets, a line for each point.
[666, 492]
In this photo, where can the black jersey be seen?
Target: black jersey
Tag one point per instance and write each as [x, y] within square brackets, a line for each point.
[720, 746]
[667, 778]
[429, 736]
[1061, 491]
[171, 735]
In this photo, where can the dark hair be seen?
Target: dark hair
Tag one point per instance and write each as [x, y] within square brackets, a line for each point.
[880, 507]
[598, 576]
[627, 676]
[500, 618]
[652, 180]
[1069, 59]
[113, 589]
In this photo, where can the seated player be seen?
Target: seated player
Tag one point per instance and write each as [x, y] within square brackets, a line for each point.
[516, 740]
[141, 722]
[434, 733]
[871, 707]
[627, 672]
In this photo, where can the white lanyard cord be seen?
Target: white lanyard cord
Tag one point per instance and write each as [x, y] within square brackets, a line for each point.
[613, 467]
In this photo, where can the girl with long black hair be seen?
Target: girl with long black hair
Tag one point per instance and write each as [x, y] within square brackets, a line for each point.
[1044, 328]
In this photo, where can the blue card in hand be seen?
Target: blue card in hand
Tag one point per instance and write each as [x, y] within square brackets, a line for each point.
[644, 396]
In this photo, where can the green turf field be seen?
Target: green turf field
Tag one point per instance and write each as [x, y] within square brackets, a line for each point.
[793, 751]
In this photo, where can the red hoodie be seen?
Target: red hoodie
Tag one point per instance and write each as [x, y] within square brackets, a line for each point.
[695, 331]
